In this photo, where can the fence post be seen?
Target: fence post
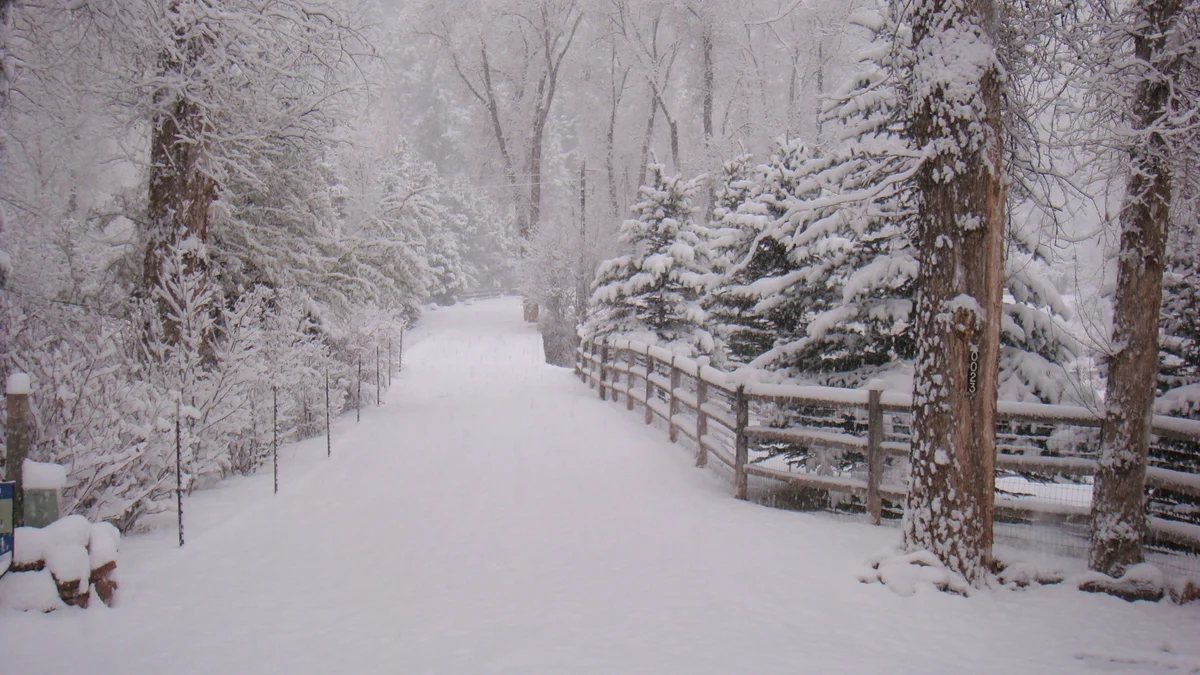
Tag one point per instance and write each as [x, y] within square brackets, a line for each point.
[701, 418]
[390, 362]
[328, 431]
[378, 380]
[586, 366]
[275, 435]
[603, 369]
[179, 468]
[630, 361]
[650, 369]
[673, 405]
[579, 359]
[741, 444]
[17, 441]
[358, 395]
[874, 455]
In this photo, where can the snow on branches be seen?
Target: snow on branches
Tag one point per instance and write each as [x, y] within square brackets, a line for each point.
[653, 292]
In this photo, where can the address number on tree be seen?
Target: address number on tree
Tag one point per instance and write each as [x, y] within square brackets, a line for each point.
[973, 371]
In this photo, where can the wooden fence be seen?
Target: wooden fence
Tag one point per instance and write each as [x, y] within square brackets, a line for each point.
[702, 404]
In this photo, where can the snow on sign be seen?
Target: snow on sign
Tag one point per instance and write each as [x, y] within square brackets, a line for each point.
[6, 516]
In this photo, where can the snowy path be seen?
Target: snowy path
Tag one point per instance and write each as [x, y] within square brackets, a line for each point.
[495, 517]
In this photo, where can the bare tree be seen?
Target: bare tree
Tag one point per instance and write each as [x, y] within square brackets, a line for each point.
[955, 117]
[545, 31]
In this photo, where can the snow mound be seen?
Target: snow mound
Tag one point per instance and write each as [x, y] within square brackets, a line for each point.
[30, 592]
[43, 476]
[69, 563]
[1144, 581]
[18, 383]
[908, 573]
[29, 546]
[72, 530]
[32, 545]
[103, 546]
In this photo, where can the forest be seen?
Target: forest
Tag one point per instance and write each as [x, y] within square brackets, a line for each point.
[204, 203]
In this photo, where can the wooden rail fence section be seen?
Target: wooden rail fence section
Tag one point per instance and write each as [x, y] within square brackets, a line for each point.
[616, 368]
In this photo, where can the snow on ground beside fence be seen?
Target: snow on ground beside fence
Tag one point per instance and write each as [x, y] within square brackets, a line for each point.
[496, 517]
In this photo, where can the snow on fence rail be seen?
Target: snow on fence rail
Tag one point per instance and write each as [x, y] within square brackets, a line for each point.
[1045, 442]
[486, 294]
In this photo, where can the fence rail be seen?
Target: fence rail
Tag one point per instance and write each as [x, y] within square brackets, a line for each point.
[1054, 441]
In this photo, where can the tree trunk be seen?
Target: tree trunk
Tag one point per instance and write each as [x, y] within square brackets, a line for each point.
[960, 237]
[617, 92]
[6, 10]
[18, 442]
[584, 274]
[673, 128]
[493, 107]
[181, 189]
[706, 115]
[1118, 517]
[646, 143]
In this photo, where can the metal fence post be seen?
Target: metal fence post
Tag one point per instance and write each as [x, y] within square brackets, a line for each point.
[275, 435]
[328, 430]
[179, 469]
[701, 418]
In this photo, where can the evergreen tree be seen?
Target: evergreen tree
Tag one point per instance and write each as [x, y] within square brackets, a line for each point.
[653, 293]
[750, 298]
[1179, 325]
[736, 185]
[851, 244]
[837, 305]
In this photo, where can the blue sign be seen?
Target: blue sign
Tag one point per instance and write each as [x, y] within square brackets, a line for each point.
[6, 516]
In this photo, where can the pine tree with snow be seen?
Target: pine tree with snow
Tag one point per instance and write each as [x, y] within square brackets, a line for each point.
[750, 298]
[849, 239]
[735, 185]
[1179, 318]
[653, 293]
[850, 243]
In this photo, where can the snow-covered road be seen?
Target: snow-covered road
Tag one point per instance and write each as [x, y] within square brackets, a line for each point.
[496, 517]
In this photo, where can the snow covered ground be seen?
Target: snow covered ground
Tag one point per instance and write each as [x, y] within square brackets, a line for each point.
[496, 517]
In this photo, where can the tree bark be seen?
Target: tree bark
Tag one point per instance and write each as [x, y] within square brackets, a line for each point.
[1118, 517]
[181, 189]
[676, 167]
[706, 114]
[960, 238]
[17, 448]
[646, 142]
[618, 92]
[584, 276]
[6, 9]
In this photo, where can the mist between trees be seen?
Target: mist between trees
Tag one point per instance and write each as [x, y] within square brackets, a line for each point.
[203, 200]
